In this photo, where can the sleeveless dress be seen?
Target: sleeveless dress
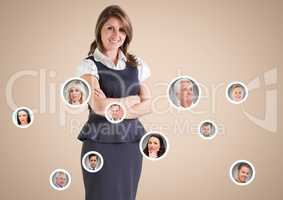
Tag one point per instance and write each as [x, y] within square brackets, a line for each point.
[117, 143]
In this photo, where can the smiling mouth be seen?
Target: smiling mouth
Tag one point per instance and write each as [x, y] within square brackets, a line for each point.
[114, 41]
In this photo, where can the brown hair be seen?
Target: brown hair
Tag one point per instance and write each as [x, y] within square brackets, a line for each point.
[243, 165]
[162, 145]
[117, 12]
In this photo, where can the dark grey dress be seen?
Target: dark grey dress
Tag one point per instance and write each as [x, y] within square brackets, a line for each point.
[117, 143]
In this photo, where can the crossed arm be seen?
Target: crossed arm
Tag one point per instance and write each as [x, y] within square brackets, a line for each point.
[136, 105]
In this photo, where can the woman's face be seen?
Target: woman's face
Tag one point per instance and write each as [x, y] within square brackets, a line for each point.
[237, 94]
[153, 144]
[113, 34]
[75, 95]
[243, 174]
[23, 117]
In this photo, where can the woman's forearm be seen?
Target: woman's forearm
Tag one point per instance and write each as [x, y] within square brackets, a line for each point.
[99, 104]
[99, 101]
[142, 108]
[138, 110]
[133, 108]
[135, 105]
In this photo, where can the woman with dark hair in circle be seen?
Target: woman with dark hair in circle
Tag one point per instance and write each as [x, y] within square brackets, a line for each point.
[23, 117]
[155, 146]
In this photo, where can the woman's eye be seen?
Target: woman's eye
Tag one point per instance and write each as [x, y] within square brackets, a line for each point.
[122, 30]
[110, 28]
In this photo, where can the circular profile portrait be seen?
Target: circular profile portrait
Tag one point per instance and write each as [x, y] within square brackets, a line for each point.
[92, 161]
[60, 179]
[22, 117]
[75, 92]
[183, 93]
[236, 92]
[242, 172]
[207, 129]
[115, 113]
[154, 146]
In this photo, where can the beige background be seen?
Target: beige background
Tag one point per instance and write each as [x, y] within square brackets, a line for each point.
[215, 42]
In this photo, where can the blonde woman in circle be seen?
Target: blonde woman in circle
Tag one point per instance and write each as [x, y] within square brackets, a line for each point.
[76, 93]
[237, 92]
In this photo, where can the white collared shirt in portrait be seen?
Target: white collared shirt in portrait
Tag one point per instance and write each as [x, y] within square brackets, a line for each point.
[87, 66]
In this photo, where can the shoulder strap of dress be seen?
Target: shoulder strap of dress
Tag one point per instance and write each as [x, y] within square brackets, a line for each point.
[90, 58]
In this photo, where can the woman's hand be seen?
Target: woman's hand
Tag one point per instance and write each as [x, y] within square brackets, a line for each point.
[129, 100]
[132, 100]
[99, 93]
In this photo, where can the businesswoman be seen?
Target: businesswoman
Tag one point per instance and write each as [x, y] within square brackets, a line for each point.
[76, 93]
[114, 75]
[155, 146]
[23, 117]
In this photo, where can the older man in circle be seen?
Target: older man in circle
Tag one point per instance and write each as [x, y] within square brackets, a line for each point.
[184, 93]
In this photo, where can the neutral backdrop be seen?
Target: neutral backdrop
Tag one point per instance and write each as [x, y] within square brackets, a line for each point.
[215, 42]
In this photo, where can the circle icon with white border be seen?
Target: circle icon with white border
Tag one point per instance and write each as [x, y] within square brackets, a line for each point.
[23, 117]
[92, 161]
[115, 113]
[207, 129]
[60, 179]
[237, 92]
[183, 93]
[154, 145]
[242, 172]
[75, 92]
